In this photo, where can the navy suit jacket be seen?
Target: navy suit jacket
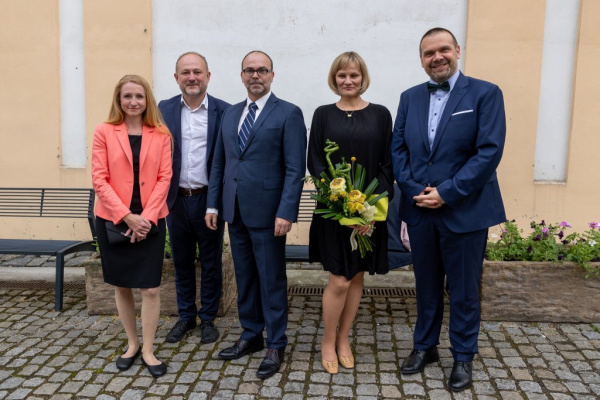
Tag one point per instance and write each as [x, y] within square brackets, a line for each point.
[462, 162]
[267, 175]
[171, 112]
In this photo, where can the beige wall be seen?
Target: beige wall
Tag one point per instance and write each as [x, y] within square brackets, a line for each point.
[507, 50]
[116, 43]
[504, 45]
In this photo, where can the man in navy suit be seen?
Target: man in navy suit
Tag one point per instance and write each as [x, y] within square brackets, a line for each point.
[255, 185]
[447, 143]
[193, 118]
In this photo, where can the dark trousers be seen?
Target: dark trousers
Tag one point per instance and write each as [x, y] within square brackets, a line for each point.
[260, 272]
[186, 230]
[437, 253]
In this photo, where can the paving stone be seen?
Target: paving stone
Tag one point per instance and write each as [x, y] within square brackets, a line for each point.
[47, 389]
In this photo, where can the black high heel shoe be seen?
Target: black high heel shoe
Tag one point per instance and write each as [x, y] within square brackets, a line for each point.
[124, 364]
[156, 370]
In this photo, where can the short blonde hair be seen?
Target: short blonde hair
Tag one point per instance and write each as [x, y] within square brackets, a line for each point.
[151, 115]
[342, 62]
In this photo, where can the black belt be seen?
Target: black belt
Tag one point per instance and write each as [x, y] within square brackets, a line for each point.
[191, 192]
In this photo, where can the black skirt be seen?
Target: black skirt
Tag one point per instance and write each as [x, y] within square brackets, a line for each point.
[132, 265]
[329, 244]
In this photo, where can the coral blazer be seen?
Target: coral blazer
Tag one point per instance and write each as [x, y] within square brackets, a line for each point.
[112, 172]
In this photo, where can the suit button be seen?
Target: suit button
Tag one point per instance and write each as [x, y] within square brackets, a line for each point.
[430, 163]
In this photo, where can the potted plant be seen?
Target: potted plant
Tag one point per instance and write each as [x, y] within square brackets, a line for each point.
[548, 275]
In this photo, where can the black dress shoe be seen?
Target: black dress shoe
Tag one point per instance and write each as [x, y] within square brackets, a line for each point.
[210, 333]
[242, 347]
[125, 363]
[178, 331]
[156, 370]
[271, 364]
[418, 359]
[461, 376]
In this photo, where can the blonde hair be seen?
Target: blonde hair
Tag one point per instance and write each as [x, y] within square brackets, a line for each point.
[342, 62]
[151, 115]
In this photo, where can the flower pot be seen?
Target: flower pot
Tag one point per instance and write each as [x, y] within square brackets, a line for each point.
[101, 296]
[539, 292]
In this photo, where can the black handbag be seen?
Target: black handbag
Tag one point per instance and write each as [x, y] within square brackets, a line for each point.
[116, 233]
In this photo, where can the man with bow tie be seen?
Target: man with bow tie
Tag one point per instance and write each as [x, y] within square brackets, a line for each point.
[447, 143]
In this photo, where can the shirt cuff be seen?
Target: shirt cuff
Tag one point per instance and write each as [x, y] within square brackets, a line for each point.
[212, 211]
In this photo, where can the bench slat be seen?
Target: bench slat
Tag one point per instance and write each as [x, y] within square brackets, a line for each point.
[48, 203]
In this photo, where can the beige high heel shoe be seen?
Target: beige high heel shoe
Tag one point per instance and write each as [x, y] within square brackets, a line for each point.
[330, 366]
[346, 362]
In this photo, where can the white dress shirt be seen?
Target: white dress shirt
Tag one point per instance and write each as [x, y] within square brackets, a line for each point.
[194, 138]
[437, 103]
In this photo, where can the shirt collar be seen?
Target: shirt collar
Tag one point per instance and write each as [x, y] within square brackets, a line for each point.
[203, 104]
[260, 103]
[451, 81]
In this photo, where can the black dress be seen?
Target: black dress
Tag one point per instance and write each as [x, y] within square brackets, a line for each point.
[139, 264]
[366, 135]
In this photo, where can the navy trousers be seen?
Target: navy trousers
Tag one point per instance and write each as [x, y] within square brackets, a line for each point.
[438, 252]
[260, 273]
[187, 229]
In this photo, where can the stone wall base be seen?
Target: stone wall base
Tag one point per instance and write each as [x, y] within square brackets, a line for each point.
[101, 296]
[538, 292]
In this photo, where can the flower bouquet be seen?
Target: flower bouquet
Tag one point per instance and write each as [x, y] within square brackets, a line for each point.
[341, 191]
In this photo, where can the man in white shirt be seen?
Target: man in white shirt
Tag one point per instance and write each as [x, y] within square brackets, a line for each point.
[193, 119]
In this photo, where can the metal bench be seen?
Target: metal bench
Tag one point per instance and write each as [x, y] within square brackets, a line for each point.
[50, 203]
[299, 253]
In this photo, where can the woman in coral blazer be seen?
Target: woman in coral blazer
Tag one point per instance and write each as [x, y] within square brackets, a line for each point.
[131, 173]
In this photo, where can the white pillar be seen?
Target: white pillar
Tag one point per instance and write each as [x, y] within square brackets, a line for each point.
[72, 84]
[558, 68]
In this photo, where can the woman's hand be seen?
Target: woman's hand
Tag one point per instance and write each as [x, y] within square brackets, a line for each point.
[138, 227]
[362, 229]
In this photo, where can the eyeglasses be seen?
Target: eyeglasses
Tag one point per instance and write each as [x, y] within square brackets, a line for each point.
[260, 71]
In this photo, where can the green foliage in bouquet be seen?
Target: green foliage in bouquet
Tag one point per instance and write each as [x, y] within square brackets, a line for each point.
[340, 190]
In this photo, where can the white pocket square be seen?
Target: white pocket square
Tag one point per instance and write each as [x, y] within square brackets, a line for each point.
[462, 112]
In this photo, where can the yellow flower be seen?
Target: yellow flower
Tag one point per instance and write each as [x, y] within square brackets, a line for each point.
[360, 207]
[352, 207]
[333, 197]
[350, 165]
[337, 185]
[356, 195]
[322, 180]
[353, 159]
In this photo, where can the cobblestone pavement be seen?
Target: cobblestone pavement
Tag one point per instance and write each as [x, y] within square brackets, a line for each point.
[50, 355]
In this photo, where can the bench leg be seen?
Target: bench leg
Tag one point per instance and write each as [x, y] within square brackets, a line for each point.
[58, 284]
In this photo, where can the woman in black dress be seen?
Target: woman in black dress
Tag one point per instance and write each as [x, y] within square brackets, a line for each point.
[131, 173]
[362, 130]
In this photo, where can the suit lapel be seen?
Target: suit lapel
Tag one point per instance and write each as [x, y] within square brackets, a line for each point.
[176, 115]
[210, 131]
[460, 88]
[269, 106]
[121, 134]
[423, 114]
[147, 136]
[236, 115]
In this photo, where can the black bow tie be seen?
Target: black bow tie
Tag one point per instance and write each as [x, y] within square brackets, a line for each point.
[432, 87]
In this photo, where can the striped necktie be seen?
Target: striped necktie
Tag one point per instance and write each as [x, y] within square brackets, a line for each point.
[247, 126]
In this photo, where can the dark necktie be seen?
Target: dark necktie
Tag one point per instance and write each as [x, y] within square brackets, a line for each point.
[432, 87]
[246, 128]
